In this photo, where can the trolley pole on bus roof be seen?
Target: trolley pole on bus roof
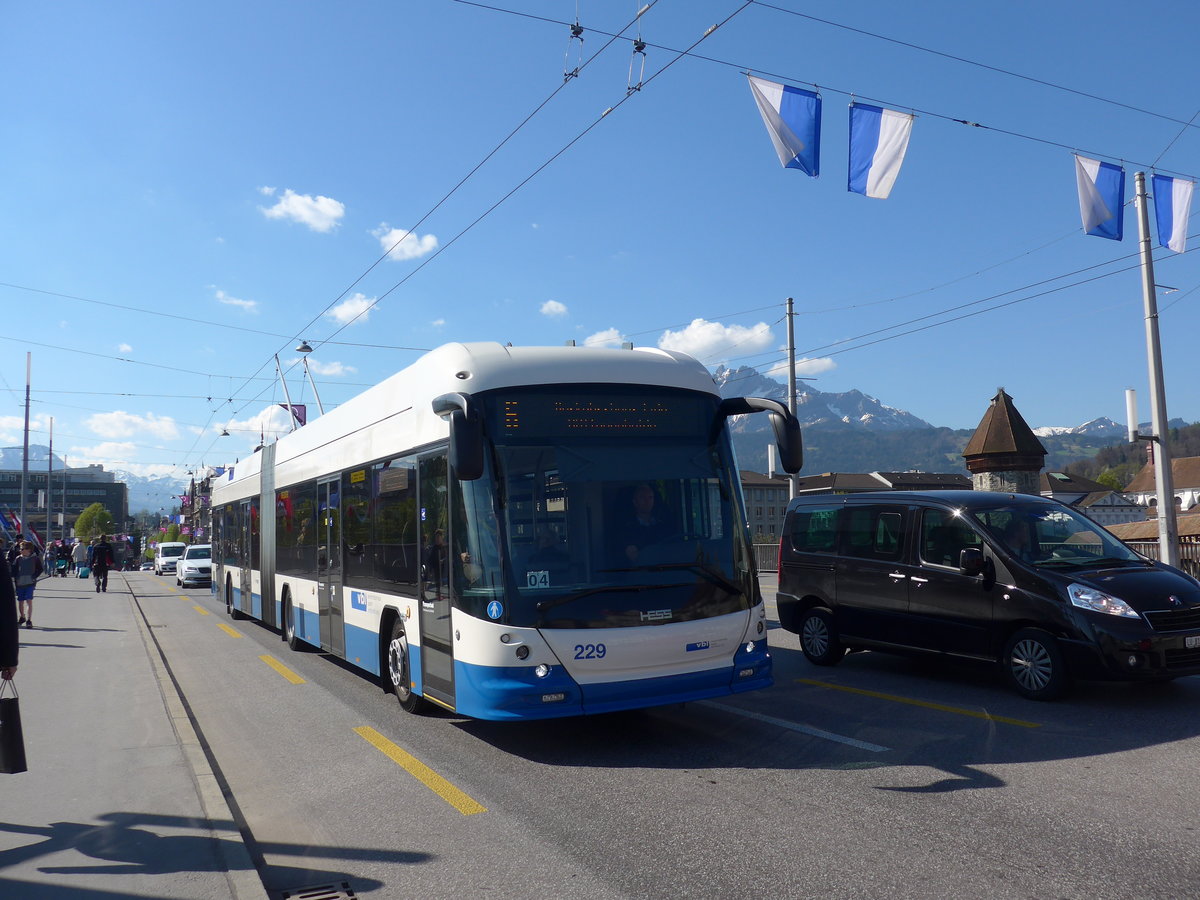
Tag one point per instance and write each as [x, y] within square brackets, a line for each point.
[1168, 529]
[286, 395]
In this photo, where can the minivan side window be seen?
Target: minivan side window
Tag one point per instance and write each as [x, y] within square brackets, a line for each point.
[943, 536]
[814, 530]
[872, 532]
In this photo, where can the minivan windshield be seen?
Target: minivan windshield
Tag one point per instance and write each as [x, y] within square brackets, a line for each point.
[1054, 537]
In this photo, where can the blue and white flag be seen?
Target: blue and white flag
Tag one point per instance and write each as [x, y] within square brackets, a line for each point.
[793, 119]
[1101, 197]
[1172, 207]
[878, 142]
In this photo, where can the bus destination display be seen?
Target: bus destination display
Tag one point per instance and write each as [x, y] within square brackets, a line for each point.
[559, 416]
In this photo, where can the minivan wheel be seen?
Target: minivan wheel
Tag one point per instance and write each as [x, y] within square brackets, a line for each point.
[818, 638]
[1033, 665]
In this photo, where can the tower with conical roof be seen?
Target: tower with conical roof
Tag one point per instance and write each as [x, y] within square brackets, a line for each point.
[1004, 454]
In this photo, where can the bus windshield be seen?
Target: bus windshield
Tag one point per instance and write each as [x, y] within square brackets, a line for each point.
[594, 530]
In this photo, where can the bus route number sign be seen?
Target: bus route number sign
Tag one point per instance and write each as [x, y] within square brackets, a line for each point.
[537, 579]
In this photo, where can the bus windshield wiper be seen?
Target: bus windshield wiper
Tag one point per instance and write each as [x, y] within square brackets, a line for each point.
[544, 605]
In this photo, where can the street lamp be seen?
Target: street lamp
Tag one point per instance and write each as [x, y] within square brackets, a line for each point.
[305, 349]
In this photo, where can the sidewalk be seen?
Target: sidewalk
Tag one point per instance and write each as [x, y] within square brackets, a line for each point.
[119, 799]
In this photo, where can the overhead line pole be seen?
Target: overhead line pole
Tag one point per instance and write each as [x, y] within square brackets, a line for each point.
[791, 335]
[1168, 529]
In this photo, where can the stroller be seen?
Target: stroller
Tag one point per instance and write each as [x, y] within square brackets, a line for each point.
[61, 565]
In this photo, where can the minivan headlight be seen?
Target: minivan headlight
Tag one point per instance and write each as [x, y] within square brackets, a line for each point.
[1097, 601]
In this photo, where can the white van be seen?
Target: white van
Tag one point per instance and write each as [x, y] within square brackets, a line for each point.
[167, 556]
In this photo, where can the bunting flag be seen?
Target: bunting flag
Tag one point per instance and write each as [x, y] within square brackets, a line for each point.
[793, 119]
[299, 413]
[878, 142]
[1101, 197]
[1172, 207]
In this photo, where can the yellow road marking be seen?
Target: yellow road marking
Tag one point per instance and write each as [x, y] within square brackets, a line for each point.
[201, 610]
[232, 632]
[282, 669]
[895, 698]
[421, 772]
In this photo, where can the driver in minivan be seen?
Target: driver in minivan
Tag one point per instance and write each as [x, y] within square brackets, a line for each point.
[1016, 538]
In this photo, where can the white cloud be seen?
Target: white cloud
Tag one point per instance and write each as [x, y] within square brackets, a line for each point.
[266, 191]
[553, 308]
[712, 342]
[318, 213]
[12, 429]
[333, 369]
[610, 337]
[124, 348]
[247, 305]
[399, 244]
[120, 424]
[806, 367]
[271, 422]
[118, 455]
[438, 323]
[356, 309]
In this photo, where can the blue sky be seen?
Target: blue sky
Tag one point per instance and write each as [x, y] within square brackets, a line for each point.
[188, 190]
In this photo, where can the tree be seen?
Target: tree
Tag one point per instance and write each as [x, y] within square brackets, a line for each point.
[94, 522]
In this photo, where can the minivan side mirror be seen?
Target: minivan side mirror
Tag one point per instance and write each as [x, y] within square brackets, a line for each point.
[970, 561]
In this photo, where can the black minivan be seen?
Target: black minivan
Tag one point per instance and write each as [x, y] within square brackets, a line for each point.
[1017, 579]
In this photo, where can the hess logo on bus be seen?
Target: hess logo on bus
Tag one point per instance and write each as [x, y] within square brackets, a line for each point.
[656, 615]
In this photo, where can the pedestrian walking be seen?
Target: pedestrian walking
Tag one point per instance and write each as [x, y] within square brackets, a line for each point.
[25, 572]
[79, 555]
[102, 561]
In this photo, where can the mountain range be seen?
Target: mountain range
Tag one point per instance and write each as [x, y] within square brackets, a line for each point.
[855, 432]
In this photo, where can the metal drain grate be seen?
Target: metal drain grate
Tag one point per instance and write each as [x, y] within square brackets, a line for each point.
[341, 891]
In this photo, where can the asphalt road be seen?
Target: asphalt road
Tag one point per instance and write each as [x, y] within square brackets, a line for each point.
[882, 777]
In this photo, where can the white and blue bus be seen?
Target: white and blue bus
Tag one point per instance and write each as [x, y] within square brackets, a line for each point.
[511, 533]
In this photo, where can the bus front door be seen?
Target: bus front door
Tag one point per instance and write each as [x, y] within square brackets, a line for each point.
[437, 651]
[329, 568]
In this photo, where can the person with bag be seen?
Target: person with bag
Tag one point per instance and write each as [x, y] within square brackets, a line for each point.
[25, 572]
[12, 741]
[102, 560]
[9, 631]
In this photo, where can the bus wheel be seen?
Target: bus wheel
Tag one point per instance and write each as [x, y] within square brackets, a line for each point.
[233, 613]
[289, 624]
[399, 671]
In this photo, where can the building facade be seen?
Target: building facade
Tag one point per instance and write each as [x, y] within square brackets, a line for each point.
[72, 490]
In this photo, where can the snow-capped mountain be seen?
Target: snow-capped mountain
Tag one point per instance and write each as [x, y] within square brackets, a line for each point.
[1102, 427]
[849, 409]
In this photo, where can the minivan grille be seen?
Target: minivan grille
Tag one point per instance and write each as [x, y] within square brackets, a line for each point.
[1174, 619]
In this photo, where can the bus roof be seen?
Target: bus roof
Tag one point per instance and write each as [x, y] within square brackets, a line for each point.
[402, 403]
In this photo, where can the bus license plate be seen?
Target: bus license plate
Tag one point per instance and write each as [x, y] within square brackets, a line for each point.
[1192, 642]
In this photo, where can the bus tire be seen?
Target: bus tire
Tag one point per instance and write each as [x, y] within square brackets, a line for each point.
[398, 670]
[289, 624]
[233, 613]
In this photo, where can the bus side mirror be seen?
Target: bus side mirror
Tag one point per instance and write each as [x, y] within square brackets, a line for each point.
[466, 434]
[970, 561]
[787, 429]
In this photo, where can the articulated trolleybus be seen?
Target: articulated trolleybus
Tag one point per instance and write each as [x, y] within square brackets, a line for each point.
[512, 533]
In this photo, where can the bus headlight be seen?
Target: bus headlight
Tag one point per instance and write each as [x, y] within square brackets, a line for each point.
[541, 670]
[523, 652]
